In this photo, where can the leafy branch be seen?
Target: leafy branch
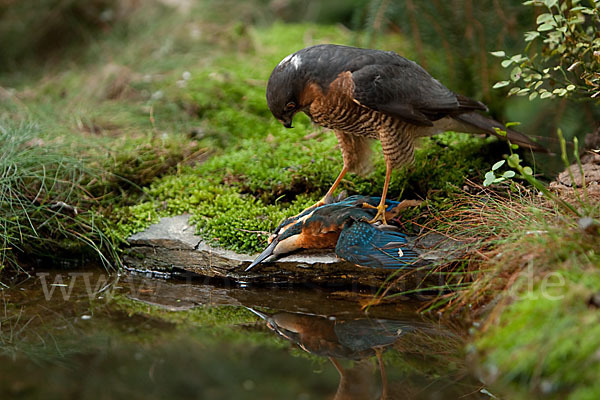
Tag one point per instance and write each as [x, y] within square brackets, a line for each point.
[568, 61]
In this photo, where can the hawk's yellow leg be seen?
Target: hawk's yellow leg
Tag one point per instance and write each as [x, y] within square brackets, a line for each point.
[380, 216]
[328, 198]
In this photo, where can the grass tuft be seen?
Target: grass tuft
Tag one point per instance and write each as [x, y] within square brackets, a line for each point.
[45, 200]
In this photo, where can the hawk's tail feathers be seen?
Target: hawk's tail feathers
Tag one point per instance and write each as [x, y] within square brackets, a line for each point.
[489, 125]
[466, 103]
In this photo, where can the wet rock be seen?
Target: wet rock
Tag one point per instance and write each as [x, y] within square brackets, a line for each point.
[573, 175]
[172, 246]
[582, 180]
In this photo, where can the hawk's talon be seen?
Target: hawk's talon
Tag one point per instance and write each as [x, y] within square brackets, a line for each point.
[367, 205]
[380, 216]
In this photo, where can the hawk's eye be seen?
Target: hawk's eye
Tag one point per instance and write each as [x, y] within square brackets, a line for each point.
[290, 106]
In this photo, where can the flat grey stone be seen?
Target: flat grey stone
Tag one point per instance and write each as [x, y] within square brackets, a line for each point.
[171, 245]
[170, 233]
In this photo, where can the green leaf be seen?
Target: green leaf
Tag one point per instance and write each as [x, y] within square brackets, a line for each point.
[514, 161]
[506, 63]
[500, 84]
[514, 90]
[550, 3]
[545, 95]
[489, 178]
[508, 174]
[500, 132]
[529, 36]
[543, 18]
[527, 171]
[533, 95]
[545, 27]
[515, 74]
[499, 53]
[560, 91]
[498, 165]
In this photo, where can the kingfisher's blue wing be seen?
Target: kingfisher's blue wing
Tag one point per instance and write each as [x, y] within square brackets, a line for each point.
[375, 246]
[358, 200]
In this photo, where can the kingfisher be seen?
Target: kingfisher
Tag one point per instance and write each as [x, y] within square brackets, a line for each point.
[345, 226]
[366, 94]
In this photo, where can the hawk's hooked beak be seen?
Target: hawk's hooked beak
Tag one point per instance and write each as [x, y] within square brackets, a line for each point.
[286, 120]
[264, 255]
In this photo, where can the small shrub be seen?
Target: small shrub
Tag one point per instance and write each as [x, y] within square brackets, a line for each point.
[562, 57]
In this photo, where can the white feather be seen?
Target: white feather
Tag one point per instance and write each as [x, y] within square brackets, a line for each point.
[294, 59]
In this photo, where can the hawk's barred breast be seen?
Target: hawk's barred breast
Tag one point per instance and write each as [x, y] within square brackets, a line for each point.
[337, 109]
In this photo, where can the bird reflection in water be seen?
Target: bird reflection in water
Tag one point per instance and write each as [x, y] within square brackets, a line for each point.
[355, 339]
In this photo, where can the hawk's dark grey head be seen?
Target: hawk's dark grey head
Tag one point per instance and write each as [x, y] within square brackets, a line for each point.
[284, 88]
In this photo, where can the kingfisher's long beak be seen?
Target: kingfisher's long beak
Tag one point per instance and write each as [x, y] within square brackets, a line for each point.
[288, 124]
[264, 255]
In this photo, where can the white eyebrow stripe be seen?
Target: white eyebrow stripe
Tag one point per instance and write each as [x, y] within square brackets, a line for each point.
[293, 59]
[286, 59]
[296, 61]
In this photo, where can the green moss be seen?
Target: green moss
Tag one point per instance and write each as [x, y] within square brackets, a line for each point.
[132, 219]
[547, 335]
[548, 340]
[222, 214]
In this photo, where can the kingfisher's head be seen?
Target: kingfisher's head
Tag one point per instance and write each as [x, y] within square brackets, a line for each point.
[285, 87]
[285, 240]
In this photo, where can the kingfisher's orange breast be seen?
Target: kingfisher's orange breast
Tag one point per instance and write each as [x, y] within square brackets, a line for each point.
[318, 237]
